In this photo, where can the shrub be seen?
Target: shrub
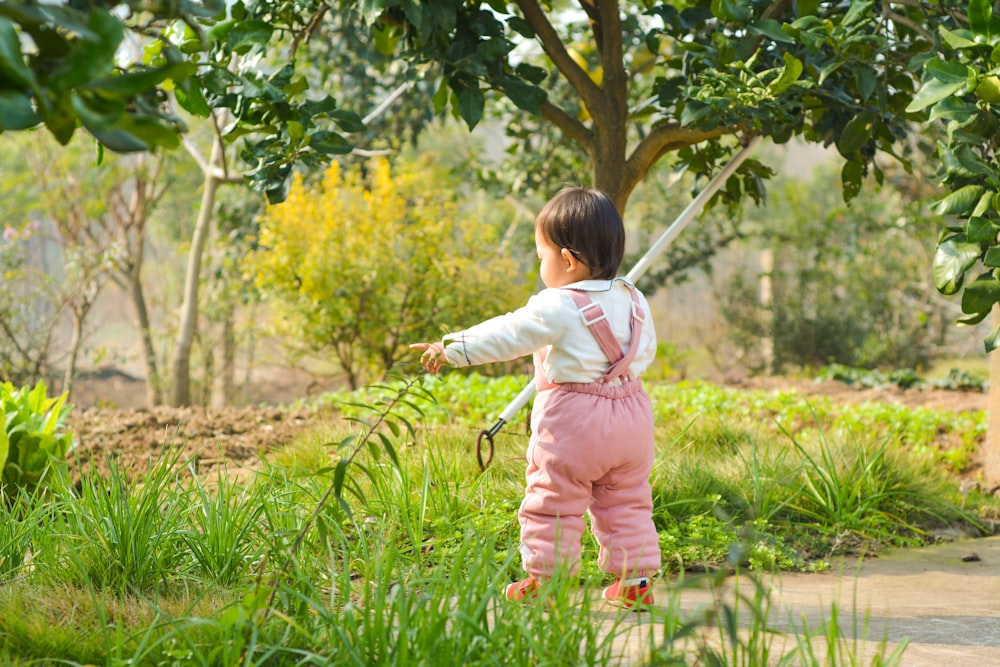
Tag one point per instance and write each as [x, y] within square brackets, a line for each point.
[365, 262]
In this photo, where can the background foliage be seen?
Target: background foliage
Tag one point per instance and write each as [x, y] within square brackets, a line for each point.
[362, 263]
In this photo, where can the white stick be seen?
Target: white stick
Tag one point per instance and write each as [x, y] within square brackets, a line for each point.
[640, 268]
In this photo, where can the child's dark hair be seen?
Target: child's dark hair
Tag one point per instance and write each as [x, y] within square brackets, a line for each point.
[585, 222]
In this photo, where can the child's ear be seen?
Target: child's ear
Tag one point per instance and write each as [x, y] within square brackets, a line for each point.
[569, 260]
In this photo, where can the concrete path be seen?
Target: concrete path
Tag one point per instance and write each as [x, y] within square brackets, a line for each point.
[940, 605]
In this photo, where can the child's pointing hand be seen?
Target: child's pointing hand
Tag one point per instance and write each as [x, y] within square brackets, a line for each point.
[433, 358]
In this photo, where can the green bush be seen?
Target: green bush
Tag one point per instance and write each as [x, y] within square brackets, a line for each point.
[32, 442]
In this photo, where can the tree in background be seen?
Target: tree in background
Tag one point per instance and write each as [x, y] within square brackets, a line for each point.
[86, 225]
[30, 305]
[102, 212]
[365, 261]
[847, 284]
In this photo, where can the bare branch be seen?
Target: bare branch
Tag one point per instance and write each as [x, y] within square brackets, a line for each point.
[306, 34]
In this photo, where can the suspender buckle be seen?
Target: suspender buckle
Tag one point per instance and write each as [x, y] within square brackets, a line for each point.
[637, 312]
[585, 313]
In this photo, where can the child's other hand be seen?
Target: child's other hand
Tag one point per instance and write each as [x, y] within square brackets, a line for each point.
[433, 358]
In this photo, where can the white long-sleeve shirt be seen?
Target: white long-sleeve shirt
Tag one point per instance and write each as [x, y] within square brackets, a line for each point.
[552, 320]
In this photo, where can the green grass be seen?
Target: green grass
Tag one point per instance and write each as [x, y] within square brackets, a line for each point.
[399, 557]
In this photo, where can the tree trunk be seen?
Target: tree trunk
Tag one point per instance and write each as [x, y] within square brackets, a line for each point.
[228, 358]
[154, 391]
[74, 349]
[991, 463]
[766, 292]
[189, 309]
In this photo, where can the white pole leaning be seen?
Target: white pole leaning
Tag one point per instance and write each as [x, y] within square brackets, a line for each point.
[637, 271]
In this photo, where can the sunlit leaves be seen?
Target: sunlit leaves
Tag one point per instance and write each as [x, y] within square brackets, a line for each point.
[363, 262]
[953, 258]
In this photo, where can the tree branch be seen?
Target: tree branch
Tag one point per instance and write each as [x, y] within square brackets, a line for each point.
[214, 171]
[570, 126]
[311, 27]
[554, 48]
[662, 140]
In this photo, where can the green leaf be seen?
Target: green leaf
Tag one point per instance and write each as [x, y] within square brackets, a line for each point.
[105, 128]
[992, 257]
[857, 11]
[12, 63]
[866, 80]
[318, 107]
[348, 121]
[339, 476]
[992, 341]
[736, 11]
[856, 133]
[531, 73]
[948, 71]
[191, 98]
[953, 108]
[972, 320]
[221, 30]
[973, 164]
[959, 201]
[440, 98]
[772, 30]
[470, 105]
[954, 256]
[16, 111]
[90, 59]
[386, 38]
[329, 143]
[980, 15]
[138, 80]
[981, 294]
[521, 27]
[389, 449]
[4, 440]
[981, 230]
[932, 92]
[246, 34]
[983, 205]
[851, 177]
[956, 39]
[524, 95]
[789, 75]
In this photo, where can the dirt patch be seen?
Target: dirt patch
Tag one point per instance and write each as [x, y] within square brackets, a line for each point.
[239, 438]
[234, 439]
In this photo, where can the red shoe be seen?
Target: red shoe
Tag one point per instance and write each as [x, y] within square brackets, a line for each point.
[526, 589]
[630, 592]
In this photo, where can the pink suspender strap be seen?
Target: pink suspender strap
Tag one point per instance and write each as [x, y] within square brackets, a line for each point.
[594, 317]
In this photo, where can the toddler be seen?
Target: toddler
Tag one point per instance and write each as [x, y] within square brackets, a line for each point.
[591, 445]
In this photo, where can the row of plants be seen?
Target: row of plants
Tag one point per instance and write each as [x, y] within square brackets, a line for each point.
[473, 401]
[379, 541]
[904, 378]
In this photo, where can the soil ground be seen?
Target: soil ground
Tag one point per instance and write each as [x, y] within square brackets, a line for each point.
[109, 421]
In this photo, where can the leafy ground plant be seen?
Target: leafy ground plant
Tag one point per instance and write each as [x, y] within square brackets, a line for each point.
[33, 441]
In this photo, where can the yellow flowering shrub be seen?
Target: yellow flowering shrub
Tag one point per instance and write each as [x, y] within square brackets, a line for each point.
[368, 260]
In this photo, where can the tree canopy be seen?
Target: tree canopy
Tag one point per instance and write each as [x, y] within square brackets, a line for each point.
[646, 78]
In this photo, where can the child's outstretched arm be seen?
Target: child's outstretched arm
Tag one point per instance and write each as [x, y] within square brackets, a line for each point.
[433, 358]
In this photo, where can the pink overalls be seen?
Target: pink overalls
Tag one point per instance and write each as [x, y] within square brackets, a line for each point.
[591, 449]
